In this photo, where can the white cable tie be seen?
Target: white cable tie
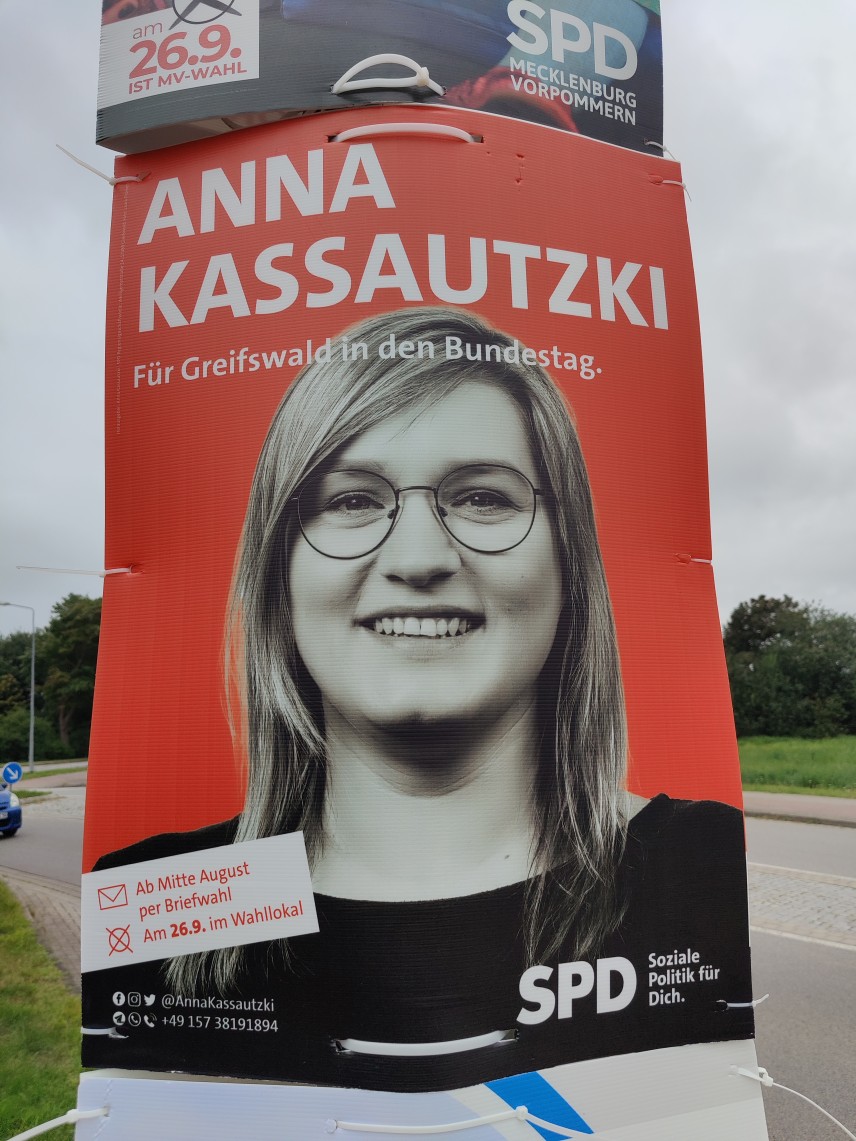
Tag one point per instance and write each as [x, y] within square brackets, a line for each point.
[761, 1075]
[445, 130]
[655, 178]
[738, 1005]
[419, 78]
[449, 1127]
[423, 1049]
[660, 147]
[825, 1113]
[520, 1114]
[107, 1031]
[91, 573]
[70, 1118]
[100, 173]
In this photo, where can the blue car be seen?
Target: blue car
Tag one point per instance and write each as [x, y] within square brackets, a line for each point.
[10, 811]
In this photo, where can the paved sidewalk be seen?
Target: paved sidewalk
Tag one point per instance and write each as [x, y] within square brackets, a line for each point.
[61, 802]
[54, 910]
[805, 905]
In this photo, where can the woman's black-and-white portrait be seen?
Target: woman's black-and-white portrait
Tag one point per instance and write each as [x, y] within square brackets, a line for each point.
[421, 637]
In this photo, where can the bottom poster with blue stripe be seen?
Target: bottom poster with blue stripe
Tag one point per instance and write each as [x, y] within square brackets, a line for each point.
[663, 1095]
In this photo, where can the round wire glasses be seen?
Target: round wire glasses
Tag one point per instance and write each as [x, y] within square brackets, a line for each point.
[348, 513]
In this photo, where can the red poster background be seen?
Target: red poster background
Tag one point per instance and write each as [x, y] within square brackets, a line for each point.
[180, 456]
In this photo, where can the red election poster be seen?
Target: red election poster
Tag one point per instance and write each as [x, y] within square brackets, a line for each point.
[413, 766]
[176, 70]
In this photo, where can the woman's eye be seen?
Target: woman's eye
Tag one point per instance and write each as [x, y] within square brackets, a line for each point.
[352, 502]
[480, 500]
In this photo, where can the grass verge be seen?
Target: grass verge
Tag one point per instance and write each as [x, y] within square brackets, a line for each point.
[31, 793]
[50, 771]
[825, 767]
[39, 1029]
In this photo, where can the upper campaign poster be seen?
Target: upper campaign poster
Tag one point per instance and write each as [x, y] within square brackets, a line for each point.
[177, 70]
[413, 764]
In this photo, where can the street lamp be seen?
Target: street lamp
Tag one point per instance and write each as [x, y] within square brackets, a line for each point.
[21, 606]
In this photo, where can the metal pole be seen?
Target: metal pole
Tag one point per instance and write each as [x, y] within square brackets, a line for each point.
[31, 760]
[31, 751]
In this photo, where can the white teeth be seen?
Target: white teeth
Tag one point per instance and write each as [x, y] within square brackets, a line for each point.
[413, 627]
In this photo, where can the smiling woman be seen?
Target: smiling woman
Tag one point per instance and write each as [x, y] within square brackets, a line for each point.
[430, 691]
[370, 504]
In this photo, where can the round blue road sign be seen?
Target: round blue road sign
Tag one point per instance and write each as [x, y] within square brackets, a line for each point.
[12, 772]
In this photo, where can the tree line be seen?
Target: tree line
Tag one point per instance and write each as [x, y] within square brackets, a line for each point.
[66, 652]
[791, 667]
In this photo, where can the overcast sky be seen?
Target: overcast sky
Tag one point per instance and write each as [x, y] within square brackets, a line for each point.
[759, 98]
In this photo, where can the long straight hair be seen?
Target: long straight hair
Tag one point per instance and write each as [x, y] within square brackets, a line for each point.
[579, 825]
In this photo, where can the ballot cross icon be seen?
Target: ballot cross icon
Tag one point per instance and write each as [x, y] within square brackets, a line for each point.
[120, 940]
[114, 896]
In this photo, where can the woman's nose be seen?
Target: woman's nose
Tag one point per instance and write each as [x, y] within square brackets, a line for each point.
[419, 548]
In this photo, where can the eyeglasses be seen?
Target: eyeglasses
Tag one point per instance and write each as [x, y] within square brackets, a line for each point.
[348, 513]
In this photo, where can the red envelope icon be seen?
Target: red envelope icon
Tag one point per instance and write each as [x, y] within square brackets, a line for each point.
[114, 896]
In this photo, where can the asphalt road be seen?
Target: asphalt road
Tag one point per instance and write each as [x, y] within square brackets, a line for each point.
[809, 847]
[806, 1035]
[48, 846]
[806, 1030]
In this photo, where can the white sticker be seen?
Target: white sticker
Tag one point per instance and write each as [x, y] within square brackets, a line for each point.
[217, 897]
[192, 43]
